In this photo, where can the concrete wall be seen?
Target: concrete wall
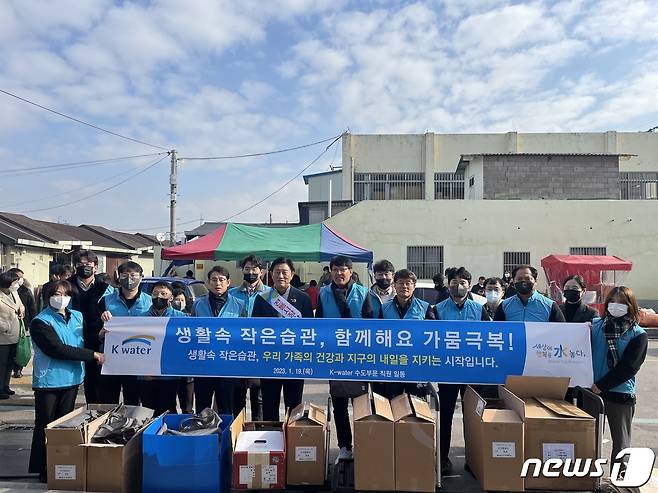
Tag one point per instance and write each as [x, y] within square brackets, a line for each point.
[34, 262]
[551, 177]
[476, 233]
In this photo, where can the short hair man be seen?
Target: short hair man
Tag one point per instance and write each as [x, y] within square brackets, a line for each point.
[383, 290]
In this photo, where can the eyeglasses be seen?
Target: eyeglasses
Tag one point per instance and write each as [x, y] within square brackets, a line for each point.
[218, 279]
[406, 284]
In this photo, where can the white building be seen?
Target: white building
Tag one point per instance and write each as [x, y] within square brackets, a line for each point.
[492, 201]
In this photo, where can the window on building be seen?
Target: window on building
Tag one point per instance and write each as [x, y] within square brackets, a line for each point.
[588, 251]
[471, 181]
[511, 260]
[389, 186]
[448, 186]
[639, 185]
[425, 261]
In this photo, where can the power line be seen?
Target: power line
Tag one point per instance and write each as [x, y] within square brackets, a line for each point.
[143, 170]
[81, 121]
[279, 151]
[65, 166]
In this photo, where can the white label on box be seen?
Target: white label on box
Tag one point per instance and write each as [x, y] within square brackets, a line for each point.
[479, 409]
[503, 449]
[306, 454]
[561, 451]
[269, 475]
[247, 474]
[65, 472]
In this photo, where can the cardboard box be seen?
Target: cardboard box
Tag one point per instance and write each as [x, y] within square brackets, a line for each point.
[307, 442]
[259, 455]
[67, 461]
[199, 463]
[116, 468]
[553, 428]
[494, 442]
[374, 444]
[415, 444]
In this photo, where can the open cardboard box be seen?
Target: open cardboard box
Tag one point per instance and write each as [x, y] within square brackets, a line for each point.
[374, 443]
[67, 462]
[415, 444]
[259, 454]
[307, 443]
[112, 467]
[553, 428]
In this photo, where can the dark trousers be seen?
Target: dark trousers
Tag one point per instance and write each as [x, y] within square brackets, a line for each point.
[49, 405]
[448, 394]
[7, 360]
[240, 398]
[185, 393]
[342, 420]
[620, 421]
[207, 387]
[271, 390]
[111, 387]
[92, 382]
[159, 394]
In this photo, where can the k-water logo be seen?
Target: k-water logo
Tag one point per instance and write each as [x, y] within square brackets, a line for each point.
[638, 468]
[138, 344]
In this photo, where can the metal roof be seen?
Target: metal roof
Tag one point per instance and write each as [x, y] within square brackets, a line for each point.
[546, 154]
[313, 175]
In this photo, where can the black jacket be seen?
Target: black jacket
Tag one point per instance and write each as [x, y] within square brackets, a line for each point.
[583, 313]
[26, 296]
[298, 299]
[87, 302]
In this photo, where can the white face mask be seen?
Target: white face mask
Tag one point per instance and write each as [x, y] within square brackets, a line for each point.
[14, 286]
[59, 302]
[493, 297]
[617, 309]
[20, 282]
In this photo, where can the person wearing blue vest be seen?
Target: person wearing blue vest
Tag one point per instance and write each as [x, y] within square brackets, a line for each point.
[404, 305]
[527, 305]
[343, 298]
[217, 303]
[127, 301]
[253, 269]
[458, 307]
[159, 393]
[619, 348]
[58, 366]
[383, 290]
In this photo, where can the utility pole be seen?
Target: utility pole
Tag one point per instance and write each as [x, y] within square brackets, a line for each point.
[172, 198]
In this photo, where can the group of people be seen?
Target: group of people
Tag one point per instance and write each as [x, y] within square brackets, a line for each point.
[68, 333]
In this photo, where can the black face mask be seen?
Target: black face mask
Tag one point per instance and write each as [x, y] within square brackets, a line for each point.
[572, 295]
[84, 271]
[160, 303]
[383, 283]
[250, 277]
[524, 287]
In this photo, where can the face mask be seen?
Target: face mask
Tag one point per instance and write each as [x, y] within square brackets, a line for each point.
[572, 295]
[14, 286]
[617, 309]
[250, 277]
[458, 291]
[178, 305]
[20, 282]
[129, 283]
[524, 287]
[493, 297]
[84, 271]
[160, 303]
[59, 302]
[383, 283]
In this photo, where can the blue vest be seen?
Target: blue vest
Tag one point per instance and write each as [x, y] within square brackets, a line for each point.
[448, 310]
[416, 311]
[600, 353]
[233, 308]
[51, 373]
[118, 308]
[538, 308]
[355, 299]
[246, 299]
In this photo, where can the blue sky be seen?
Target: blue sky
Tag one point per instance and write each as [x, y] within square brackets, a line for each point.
[232, 77]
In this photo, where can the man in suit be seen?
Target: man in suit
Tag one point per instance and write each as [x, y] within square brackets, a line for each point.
[283, 301]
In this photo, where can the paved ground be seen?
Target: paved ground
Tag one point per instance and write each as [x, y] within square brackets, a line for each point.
[16, 417]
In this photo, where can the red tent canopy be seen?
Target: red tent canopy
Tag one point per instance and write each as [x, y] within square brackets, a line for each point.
[558, 267]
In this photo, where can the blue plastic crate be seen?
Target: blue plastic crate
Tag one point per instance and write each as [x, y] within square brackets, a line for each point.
[186, 463]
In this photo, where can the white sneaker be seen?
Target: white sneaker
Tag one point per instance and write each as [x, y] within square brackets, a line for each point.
[344, 454]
